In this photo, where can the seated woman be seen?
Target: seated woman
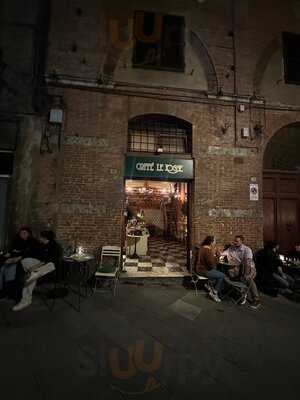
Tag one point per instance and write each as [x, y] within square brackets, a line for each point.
[206, 265]
[48, 252]
[22, 246]
[270, 267]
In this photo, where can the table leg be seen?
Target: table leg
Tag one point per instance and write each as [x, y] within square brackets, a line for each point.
[134, 254]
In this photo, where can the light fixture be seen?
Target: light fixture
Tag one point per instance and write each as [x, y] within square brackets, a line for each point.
[56, 116]
[80, 251]
[159, 150]
[51, 135]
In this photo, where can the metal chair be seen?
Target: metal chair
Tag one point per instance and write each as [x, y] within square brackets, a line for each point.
[237, 287]
[109, 267]
[196, 278]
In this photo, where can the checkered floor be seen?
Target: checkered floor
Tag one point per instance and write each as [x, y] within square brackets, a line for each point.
[165, 257]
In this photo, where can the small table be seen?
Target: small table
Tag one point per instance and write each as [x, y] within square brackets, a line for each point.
[78, 271]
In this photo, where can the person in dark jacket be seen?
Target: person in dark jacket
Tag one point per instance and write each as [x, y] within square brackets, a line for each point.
[49, 250]
[270, 269]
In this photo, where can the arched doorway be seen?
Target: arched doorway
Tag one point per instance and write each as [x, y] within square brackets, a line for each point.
[281, 187]
[159, 171]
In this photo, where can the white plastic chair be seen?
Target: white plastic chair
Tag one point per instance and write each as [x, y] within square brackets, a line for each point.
[109, 267]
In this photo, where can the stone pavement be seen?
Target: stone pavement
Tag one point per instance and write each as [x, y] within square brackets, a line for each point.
[151, 342]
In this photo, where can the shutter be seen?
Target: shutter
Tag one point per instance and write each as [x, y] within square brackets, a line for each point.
[173, 42]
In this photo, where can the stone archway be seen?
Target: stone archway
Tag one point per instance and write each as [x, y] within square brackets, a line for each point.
[281, 187]
[263, 61]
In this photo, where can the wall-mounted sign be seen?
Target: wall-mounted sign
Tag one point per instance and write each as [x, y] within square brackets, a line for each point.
[253, 190]
[159, 168]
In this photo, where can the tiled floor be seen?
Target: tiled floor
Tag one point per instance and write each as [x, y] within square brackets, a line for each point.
[165, 258]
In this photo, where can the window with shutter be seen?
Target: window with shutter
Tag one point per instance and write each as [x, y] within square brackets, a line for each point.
[291, 57]
[159, 41]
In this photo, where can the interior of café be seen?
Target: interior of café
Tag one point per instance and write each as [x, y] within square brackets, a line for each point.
[156, 227]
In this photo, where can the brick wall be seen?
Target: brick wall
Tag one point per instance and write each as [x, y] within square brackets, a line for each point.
[89, 182]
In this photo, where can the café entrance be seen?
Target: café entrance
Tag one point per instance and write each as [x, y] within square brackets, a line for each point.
[157, 216]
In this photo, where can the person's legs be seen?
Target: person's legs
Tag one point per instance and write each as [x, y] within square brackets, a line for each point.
[18, 283]
[218, 278]
[26, 297]
[283, 283]
[290, 280]
[253, 294]
[22, 266]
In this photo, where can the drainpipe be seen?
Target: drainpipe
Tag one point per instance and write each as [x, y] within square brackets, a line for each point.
[233, 30]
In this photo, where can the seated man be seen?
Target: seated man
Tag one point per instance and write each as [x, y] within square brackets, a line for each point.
[47, 255]
[22, 246]
[240, 257]
[271, 269]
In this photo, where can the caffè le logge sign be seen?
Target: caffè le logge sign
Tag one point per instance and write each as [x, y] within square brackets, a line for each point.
[159, 168]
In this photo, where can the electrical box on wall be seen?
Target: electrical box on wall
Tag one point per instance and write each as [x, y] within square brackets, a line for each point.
[241, 107]
[245, 133]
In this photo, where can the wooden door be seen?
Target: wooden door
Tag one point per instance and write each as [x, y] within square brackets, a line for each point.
[288, 223]
[269, 219]
[281, 200]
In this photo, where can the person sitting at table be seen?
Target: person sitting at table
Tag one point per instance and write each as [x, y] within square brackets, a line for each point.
[240, 257]
[206, 265]
[48, 252]
[22, 246]
[271, 269]
[295, 253]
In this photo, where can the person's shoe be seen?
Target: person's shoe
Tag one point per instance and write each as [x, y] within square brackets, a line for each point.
[214, 297]
[244, 300]
[207, 287]
[255, 305]
[210, 288]
[20, 306]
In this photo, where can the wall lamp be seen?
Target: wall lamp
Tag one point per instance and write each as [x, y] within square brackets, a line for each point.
[53, 128]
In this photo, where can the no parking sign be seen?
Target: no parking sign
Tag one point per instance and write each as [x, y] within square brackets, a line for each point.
[253, 191]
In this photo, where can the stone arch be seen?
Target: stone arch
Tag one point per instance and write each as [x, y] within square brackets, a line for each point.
[276, 122]
[114, 53]
[282, 150]
[263, 61]
[206, 61]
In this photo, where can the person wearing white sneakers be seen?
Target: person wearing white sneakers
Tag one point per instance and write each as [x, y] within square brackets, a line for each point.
[47, 257]
[206, 265]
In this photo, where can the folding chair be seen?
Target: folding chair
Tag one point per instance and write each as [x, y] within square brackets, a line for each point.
[195, 278]
[109, 267]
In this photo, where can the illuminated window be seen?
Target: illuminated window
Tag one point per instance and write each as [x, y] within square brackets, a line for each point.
[159, 133]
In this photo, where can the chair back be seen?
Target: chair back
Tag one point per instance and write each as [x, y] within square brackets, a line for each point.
[110, 259]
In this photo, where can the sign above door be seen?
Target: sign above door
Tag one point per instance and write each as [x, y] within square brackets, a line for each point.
[171, 169]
